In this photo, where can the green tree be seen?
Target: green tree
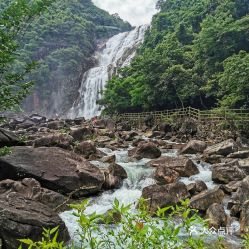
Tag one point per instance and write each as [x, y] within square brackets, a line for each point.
[14, 18]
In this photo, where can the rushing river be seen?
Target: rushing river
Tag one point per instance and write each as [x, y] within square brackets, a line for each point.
[139, 176]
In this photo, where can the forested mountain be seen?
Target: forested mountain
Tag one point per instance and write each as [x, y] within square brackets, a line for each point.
[63, 40]
[196, 53]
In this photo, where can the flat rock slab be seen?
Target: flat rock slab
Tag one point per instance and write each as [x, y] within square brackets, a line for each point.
[54, 168]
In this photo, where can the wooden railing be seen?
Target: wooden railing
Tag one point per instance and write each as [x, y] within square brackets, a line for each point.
[241, 116]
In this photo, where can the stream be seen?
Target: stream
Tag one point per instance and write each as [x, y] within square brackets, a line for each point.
[139, 177]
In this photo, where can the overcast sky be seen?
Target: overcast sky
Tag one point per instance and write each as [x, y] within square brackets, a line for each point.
[137, 12]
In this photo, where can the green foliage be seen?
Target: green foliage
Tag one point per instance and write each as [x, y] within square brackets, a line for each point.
[14, 18]
[195, 54]
[4, 151]
[245, 240]
[49, 241]
[121, 227]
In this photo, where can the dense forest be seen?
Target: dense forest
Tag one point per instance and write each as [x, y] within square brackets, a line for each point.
[196, 53]
[62, 40]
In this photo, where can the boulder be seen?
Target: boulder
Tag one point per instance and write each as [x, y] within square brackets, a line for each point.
[227, 172]
[114, 176]
[63, 141]
[224, 148]
[80, 134]
[188, 127]
[159, 196]
[231, 187]
[56, 125]
[206, 198]
[196, 187]
[165, 127]
[86, 148]
[194, 147]
[183, 165]
[244, 165]
[109, 159]
[54, 168]
[27, 123]
[25, 209]
[38, 119]
[243, 154]
[216, 216]
[22, 217]
[166, 175]
[244, 218]
[8, 138]
[145, 150]
[31, 189]
[239, 197]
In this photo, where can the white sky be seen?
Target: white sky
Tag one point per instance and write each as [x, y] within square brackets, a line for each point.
[137, 12]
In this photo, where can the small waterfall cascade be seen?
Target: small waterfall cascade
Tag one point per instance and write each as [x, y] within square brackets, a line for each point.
[117, 53]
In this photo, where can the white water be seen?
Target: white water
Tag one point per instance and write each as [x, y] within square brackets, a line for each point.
[139, 176]
[118, 52]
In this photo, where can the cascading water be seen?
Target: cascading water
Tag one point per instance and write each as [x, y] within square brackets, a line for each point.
[118, 52]
[139, 176]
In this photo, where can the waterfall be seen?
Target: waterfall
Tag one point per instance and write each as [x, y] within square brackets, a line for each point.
[117, 53]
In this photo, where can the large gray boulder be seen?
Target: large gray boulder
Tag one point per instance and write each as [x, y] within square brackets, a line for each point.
[25, 209]
[54, 168]
[182, 165]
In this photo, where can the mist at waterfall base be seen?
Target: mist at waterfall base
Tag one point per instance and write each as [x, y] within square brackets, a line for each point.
[139, 176]
[116, 53]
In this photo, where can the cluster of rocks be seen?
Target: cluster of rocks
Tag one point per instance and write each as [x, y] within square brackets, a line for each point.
[230, 164]
[50, 162]
[47, 165]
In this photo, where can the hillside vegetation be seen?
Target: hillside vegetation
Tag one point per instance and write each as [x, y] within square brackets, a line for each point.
[195, 54]
[63, 40]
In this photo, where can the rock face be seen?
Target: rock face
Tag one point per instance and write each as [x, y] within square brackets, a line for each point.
[244, 218]
[239, 197]
[216, 216]
[205, 199]
[193, 147]
[54, 168]
[166, 175]
[244, 154]
[145, 150]
[86, 148]
[114, 176]
[80, 134]
[227, 172]
[8, 138]
[196, 187]
[183, 165]
[59, 140]
[31, 189]
[25, 209]
[159, 196]
[224, 148]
